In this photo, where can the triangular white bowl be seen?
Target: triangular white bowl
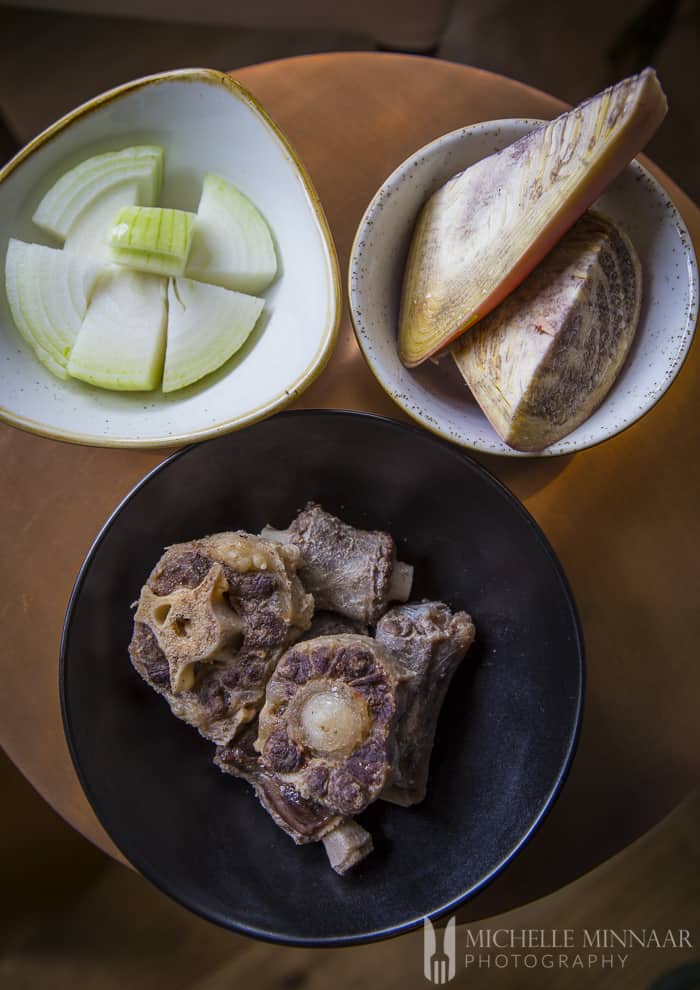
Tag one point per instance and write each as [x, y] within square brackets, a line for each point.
[206, 122]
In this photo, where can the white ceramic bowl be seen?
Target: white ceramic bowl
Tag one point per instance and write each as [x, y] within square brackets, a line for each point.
[206, 122]
[435, 395]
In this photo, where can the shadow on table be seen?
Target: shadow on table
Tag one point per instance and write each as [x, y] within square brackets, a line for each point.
[525, 475]
[45, 862]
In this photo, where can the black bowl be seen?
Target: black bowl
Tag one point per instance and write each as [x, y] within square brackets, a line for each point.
[506, 735]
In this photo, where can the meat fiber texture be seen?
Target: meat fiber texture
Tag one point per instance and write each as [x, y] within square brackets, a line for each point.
[209, 645]
[320, 716]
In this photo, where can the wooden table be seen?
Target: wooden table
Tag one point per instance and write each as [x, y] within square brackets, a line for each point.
[623, 517]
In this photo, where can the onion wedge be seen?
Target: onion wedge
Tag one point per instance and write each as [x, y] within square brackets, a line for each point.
[151, 239]
[485, 230]
[89, 233]
[121, 344]
[231, 245]
[48, 291]
[79, 188]
[206, 326]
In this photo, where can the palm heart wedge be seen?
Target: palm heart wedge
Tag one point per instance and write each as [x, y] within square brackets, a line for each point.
[487, 228]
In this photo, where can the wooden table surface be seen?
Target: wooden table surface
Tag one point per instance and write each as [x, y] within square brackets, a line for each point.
[623, 517]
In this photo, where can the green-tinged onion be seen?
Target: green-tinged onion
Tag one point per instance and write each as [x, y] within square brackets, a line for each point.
[207, 324]
[232, 245]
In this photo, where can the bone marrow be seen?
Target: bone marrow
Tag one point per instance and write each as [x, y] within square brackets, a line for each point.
[212, 620]
[328, 720]
[285, 651]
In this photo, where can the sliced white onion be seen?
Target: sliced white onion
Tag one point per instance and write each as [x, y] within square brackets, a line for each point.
[122, 340]
[89, 233]
[231, 245]
[48, 291]
[151, 239]
[206, 326]
[86, 182]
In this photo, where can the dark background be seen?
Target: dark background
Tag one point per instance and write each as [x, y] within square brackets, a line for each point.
[51, 60]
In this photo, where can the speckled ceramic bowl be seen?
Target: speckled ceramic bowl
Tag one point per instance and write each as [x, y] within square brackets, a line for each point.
[206, 122]
[435, 395]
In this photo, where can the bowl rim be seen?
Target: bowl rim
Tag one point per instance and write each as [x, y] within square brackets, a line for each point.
[212, 77]
[650, 399]
[411, 924]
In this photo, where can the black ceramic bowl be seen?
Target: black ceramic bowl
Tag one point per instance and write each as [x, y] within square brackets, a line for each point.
[506, 734]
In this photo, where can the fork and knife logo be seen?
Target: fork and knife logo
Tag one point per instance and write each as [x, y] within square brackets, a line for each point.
[439, 964]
